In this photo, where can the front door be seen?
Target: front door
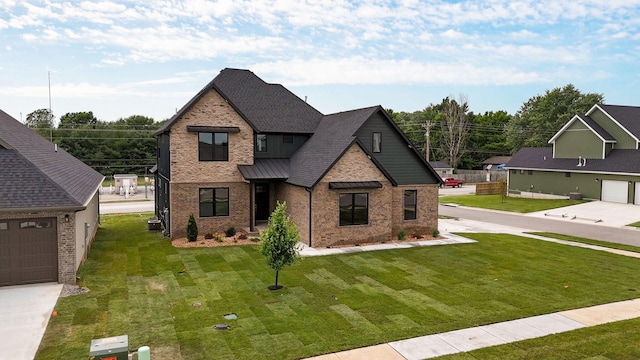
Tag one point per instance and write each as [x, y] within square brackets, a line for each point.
[262, 201]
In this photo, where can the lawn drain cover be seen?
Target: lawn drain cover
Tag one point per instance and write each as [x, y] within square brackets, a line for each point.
[221, 327]
[231, 316]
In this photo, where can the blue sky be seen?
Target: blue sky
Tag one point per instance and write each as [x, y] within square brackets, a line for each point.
[127, 57]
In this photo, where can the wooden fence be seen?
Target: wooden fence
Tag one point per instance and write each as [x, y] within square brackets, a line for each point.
[479, 176]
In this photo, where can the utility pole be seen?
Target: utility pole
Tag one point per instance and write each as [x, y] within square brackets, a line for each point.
[427, 126]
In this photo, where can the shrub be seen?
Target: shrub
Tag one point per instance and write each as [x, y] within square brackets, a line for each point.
[208, 236]
[418, 236]
[435, 233]
[402, 234]
[243, 236]
[255, 239]
[218, 237]
[230, 232]
[192, 229]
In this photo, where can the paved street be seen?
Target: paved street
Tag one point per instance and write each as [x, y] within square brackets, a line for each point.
[590, 230]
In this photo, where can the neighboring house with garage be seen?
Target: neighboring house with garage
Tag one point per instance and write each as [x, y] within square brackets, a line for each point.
[49, 208]
[442, 168]
[595, 156]
[241, 145]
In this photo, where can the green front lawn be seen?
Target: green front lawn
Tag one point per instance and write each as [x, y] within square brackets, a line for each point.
[514, 204]
[618, 340]
[635, 224]
[588, 241]
[170, 299]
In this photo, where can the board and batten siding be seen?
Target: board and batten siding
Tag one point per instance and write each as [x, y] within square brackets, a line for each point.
[578, 140]
[277, 149]
[397, 158]
[623, 139]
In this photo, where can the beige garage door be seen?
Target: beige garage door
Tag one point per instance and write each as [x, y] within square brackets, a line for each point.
[28, 251]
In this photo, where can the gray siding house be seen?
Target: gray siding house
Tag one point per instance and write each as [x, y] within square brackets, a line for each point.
[49, 208]
[596, 155]
[241, 145]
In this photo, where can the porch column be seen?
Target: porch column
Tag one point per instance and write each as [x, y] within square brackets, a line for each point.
[252, 206]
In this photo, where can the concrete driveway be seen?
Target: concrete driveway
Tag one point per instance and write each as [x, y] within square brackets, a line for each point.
[24, 313]
[595, 212]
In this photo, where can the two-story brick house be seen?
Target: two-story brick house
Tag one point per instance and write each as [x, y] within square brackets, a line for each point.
[241, 144]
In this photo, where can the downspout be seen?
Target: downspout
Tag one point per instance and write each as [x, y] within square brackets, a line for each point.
[310, 217]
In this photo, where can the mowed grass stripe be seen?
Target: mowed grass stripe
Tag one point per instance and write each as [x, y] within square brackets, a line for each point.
[328, 304]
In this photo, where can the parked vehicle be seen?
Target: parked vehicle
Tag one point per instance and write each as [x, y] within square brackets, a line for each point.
[449, 181]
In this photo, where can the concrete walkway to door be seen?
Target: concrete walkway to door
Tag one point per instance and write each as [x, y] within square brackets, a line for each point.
[24, 314]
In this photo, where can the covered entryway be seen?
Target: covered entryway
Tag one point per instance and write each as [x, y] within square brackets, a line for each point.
[28, 251]
[615, 191]
[262, 201]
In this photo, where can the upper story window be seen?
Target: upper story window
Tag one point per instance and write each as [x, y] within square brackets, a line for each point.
[261, 143]
[376, 142]
[213, 146]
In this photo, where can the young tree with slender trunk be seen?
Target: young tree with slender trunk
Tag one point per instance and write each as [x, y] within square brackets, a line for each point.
[279, 241]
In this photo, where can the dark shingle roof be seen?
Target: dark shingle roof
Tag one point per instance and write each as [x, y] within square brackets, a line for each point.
[266, 107]
[617, 161]
[440, 165]
[497, 160]
[597, 128]
[334, 135]
[33, 174]
[627, 116]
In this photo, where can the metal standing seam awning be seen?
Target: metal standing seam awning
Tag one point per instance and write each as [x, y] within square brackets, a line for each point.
[266, 169]
[343, 185]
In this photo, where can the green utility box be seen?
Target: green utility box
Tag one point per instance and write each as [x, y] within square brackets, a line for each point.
[112, 348]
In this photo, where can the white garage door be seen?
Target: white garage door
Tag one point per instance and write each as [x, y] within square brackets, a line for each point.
[637, 197]
[615, 191]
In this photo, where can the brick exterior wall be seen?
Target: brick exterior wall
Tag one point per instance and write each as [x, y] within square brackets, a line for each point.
[426, 210]
[353, 166]
[185, 201]
[386, 206]
[188, 174]
[297, 199]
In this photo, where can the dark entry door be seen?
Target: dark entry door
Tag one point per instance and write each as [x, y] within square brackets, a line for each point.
[262, 201]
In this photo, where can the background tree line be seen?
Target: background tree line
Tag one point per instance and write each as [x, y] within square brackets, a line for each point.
[455, 134]
[124, 146]
[465, 139]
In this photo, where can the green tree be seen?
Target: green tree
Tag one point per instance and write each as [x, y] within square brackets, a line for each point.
[279, 241]
[455, 128]
[192, 229]
[486, 138]
[543, 115]
[77, 119]
[41, 121]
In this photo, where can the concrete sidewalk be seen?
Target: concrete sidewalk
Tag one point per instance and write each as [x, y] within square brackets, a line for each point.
[452, 342]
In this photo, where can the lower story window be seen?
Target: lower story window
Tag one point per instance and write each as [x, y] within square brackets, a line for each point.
[410, 204]
[214, 202]
[354, 209]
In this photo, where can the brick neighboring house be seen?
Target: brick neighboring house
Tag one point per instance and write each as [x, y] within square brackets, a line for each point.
[240, 145]
[595, 155]
[49, 208]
